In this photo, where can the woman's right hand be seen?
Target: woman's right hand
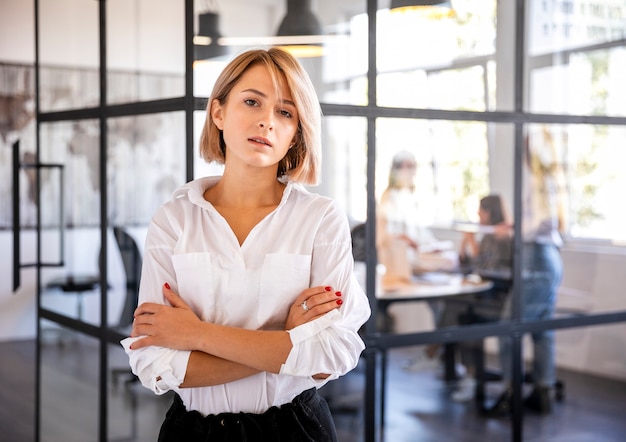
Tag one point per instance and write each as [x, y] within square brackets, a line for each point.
[311, 304]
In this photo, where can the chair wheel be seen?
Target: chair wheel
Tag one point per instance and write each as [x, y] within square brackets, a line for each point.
[559, 391]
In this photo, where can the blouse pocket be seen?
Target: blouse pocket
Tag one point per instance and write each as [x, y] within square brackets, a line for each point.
[283, 277]
[195, 282]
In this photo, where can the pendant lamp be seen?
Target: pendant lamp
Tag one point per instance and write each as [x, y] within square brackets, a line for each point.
[205, 43]
[434, 9]
[306, 30]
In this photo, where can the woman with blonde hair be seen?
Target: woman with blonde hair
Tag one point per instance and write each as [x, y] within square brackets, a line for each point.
[248, 302]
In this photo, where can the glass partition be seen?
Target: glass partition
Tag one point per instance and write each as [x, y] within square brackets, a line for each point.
[590, 367]
[69, 206]
[145, 60]
[344, 164]
[438, 60]
[135, 413]
[576, 54]
[574, 174]
[146, 153]
[69, 390]
[68, 55]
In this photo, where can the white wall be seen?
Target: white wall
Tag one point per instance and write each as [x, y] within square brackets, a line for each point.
[17, 31]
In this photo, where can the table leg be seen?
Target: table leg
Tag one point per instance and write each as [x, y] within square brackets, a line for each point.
[449, 350]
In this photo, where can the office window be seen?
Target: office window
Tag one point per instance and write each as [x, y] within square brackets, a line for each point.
[577, 62]
[452, 172]
[592, 158]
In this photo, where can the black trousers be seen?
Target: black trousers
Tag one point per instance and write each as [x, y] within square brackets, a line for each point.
[306, 418]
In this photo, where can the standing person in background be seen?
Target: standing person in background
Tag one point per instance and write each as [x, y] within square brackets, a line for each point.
[543, 218]
[248, 302]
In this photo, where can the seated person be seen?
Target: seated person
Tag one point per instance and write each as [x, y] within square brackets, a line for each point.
[491, 255]
[490, 258]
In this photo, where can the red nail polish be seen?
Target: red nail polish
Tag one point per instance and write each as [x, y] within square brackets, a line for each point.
[338, 293]
[327, 288]
[167, 286]
[339, 302]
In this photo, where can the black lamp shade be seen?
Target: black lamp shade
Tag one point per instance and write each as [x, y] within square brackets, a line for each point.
[299, 20]
[208, 26]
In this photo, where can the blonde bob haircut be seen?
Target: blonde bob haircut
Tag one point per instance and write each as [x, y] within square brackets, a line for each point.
[302, 161]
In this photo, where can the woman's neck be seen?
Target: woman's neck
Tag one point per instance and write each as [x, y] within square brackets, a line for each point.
[246, 190]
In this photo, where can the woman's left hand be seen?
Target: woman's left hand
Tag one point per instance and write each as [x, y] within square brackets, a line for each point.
[173, 326]
[311, 304]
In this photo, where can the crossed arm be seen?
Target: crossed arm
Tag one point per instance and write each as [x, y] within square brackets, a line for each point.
[221, 354]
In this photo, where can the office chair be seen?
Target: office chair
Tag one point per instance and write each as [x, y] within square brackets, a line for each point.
[359, 243]
[132, 261]
[77, 285]
[491, 312]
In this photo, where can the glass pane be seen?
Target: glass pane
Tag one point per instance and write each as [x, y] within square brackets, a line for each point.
[453, 70]
[573, 181]
[69, 54]
[135, 413]
[344, 164]
[338, 74]
[18, 370]
[452, 165]
[17, 101]
[125, 247]
[589, 370]
[443, 264]
[146, 154]
[69, 389]
[576, 57]
[341, 78]
[345, 397]
[590, 157]
[145, 50]
[70, 218]
[420, 406]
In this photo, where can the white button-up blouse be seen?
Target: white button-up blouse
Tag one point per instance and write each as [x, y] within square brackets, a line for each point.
[304, 242]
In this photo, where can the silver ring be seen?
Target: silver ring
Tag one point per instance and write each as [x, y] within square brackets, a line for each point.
[304, 306]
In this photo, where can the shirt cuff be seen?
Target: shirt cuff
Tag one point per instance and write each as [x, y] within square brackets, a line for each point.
[305, 331]
[172, 378]
[159, 369]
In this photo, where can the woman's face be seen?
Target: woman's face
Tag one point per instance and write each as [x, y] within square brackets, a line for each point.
[405, 173]
[483, 216]
[259, 123]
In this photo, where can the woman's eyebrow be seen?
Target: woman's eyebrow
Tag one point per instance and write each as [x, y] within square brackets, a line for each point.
[262, 94]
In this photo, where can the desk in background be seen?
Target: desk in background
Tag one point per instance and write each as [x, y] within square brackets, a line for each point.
[431, 287]
[428, 287]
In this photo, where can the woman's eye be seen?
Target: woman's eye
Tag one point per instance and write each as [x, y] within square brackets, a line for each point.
[250, 102]
[285, 113]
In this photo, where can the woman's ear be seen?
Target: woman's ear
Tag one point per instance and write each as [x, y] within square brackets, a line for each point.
[217, 114]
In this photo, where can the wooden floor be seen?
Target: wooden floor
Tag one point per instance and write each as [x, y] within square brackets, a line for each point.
[418, 404]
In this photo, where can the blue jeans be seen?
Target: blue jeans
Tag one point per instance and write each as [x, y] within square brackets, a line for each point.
[542, 270]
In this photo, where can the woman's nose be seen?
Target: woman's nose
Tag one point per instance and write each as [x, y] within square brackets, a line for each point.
[267, 121]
